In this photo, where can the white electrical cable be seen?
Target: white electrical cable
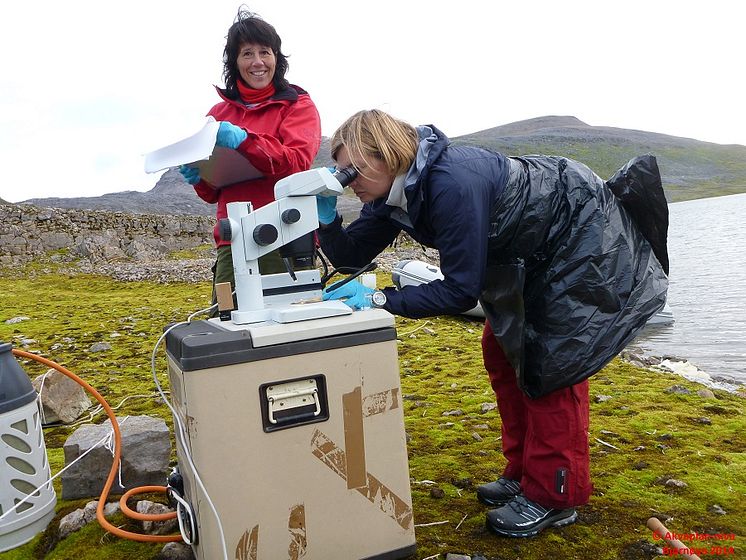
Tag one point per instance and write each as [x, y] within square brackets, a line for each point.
[39, 402]
[107, 440]
[109, 444]
[181, 503]
[180, 433]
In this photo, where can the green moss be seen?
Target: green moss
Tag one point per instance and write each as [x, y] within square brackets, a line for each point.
[204, 251]
[657, 435]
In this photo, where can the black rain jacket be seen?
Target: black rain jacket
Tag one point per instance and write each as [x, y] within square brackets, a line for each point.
[568, 268]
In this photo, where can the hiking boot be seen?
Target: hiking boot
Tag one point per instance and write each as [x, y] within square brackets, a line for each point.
[498, 493]
[523, 518]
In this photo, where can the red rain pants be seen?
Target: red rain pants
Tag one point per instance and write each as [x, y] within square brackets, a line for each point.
[544, 440]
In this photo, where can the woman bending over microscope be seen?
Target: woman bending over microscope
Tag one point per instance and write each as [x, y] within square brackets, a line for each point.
[567, 267]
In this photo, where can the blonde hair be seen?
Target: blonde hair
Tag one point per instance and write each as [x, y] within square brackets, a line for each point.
[373, 133]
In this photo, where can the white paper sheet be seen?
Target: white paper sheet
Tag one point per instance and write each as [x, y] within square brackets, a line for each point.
[217, 165]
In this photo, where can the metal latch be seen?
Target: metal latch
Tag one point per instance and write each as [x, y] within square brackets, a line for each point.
[294, 394]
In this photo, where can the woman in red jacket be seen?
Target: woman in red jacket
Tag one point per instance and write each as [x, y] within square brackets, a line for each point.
[271, 122]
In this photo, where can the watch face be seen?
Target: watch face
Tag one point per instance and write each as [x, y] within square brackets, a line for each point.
[379, 299]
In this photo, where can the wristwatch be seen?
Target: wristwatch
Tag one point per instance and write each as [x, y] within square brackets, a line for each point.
[378, 299]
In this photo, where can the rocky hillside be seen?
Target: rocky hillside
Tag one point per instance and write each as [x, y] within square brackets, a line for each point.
[690, 168]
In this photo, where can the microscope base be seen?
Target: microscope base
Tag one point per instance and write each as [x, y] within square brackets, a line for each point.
[292, 313]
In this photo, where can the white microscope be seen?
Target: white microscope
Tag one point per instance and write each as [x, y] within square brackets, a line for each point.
[281, 298]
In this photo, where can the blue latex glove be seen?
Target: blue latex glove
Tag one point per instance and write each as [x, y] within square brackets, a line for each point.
[230, 136]
[353, 293]
[327, 208]
[190, 174]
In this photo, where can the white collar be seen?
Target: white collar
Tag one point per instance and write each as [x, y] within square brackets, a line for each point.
[396, 196]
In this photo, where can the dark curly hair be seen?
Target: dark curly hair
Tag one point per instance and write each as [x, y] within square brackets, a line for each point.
[250, 28]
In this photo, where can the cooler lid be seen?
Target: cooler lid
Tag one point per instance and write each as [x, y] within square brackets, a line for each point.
[213, 343]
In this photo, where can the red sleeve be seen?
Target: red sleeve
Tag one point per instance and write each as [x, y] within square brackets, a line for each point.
[206, 192]
[294, 146]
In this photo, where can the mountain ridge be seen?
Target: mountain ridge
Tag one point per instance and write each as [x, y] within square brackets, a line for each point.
[690, 168]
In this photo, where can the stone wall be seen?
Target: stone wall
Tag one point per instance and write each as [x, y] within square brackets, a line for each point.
[28, 232]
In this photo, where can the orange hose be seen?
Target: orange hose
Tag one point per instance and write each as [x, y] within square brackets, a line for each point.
[132, 514]
[114, 467]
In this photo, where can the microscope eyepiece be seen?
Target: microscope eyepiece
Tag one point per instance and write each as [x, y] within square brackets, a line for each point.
[346, 175]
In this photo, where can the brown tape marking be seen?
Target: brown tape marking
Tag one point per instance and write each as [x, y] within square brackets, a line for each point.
[376, 492]
[297, 530]
[352, 407]
[331, 455]
[224, 296]
[247, 545]
[378, 403]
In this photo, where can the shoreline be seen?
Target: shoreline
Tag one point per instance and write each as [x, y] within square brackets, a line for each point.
[682, 367]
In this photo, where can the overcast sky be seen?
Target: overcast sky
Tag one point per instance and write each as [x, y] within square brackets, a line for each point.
[88, 87]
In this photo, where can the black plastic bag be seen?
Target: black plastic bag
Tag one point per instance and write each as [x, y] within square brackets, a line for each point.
[592, 279]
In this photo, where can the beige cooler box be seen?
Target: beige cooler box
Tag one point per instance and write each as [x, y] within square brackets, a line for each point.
[297, 433]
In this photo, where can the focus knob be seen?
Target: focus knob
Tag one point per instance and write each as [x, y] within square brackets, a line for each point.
[290, 216]
[224, 229]
[265, 234]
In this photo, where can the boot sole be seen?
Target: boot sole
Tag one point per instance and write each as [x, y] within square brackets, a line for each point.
[536, 530]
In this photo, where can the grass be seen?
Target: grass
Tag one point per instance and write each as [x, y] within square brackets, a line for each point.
[656, 435]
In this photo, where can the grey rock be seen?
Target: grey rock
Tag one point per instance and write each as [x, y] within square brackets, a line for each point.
[62, 399]
[176, 551]
[487, 407]
[146, 449]
[16, 320]
[602, 398]
[451, 556]
[678, 390]
[674, 483]
[725, 379]
[717, 510]
[76, 520]
[457, 412]
[156, 527]
[706, 394]
[100, 347]
[476, 437]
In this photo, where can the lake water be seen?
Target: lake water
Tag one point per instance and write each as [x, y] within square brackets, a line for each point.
[707, 290]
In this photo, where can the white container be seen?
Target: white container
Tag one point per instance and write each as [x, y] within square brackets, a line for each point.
[24, 468]
[307, 457]
[368, 280]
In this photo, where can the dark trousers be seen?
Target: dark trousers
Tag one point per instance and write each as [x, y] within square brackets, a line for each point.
[545, 440]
